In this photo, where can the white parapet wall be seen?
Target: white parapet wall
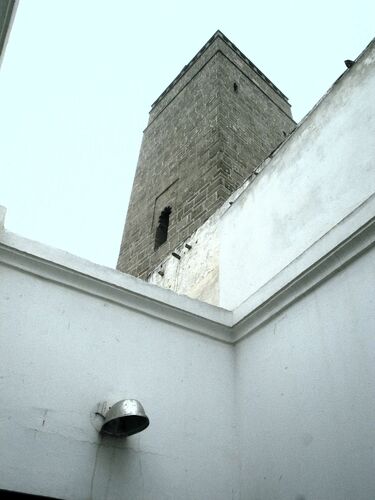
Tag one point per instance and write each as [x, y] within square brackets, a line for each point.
[317, 178]
[304, 387]
[73, 334]
[270, 400]
[193, 269]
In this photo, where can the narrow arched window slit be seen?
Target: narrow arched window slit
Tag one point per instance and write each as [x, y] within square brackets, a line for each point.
[161, 234]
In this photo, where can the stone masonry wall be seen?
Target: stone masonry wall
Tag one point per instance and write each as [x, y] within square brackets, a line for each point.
[251, 125]
[205, 135]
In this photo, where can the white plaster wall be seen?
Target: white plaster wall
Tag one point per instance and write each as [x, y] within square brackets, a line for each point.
[319, 176]
[324, 171]
[305, 387]
[196, 273]
[62, 351]
[284, 413]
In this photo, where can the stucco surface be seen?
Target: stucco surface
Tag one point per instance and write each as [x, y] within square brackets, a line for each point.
[273, 407]
[196, 272]
[304, 393]
[323, 172]
[62, 352]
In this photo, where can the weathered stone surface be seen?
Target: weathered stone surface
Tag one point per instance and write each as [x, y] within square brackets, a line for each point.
[7, 13]
[216, 122]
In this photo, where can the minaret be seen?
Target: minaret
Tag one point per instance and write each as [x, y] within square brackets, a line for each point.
[214, 124]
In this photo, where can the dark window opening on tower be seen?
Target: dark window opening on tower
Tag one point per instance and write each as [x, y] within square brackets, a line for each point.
[161, 234]
[235, 87]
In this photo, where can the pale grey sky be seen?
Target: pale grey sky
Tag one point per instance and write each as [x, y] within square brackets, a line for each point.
[79, 77]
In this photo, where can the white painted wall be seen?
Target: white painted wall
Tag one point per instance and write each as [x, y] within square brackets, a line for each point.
[317, 178]
[305, 387]
[272, 400]
[64, 349]
[196, 273]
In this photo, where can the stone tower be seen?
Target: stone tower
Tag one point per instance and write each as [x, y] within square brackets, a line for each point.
[214, 124]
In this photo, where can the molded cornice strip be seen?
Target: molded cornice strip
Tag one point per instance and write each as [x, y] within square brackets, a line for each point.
[353, 236]
[336, 249]
[181, 311]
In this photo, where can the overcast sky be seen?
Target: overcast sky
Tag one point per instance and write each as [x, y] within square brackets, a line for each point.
[79, 76]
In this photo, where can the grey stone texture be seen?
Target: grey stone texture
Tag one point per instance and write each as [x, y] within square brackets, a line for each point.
[7, 11]
[215, 123]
